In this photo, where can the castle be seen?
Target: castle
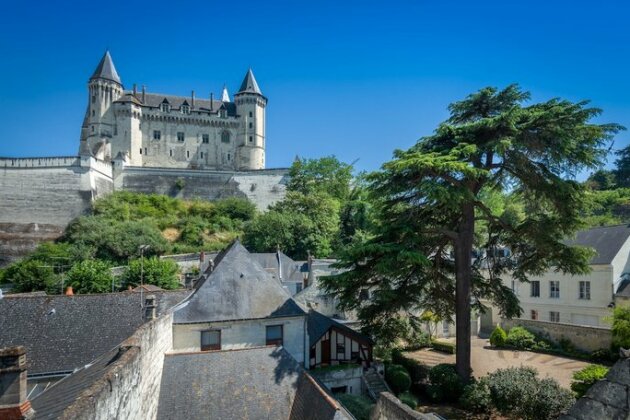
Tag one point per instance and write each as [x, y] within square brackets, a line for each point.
[167, 131]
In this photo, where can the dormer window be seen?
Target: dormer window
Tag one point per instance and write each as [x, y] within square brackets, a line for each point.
[165, 106]
[185, 109]
[223, 113]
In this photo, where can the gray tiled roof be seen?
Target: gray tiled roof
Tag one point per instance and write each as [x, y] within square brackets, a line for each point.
[318, 324]
[280, 265]
[62, 333]
[238, 288]
[106, 69]
[154, 100]
[606, 240]
[257, 383]
[249, 84]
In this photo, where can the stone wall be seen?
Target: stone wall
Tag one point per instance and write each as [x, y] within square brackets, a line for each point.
[130, 388]
[349, 377]
[583, 337]
[389, 407]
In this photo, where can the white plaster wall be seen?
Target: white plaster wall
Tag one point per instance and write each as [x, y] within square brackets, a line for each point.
[243, 334]
[621, 263]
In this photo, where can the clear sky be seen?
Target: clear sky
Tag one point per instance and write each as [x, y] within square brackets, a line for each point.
[354, 79]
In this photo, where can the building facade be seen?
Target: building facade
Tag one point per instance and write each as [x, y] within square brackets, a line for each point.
[139, 128]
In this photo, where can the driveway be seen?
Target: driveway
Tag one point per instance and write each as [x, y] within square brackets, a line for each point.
[486, 360]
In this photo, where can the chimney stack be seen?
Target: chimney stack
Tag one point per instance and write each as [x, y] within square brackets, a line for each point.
[211, 100]
[149, 307]
[14, 404]
[192, 99]
[135, 89]
[144, 92]
[69, 291]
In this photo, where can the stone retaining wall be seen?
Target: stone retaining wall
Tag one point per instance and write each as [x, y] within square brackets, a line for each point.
[388, 407]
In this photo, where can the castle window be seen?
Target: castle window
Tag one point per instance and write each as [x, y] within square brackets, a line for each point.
[225, 137]
[93, 113]
[165, 107]
[141, 150]
[250, 114]
[185, 109]
[223, 113]
[229, 156]
[251, 139]
[170, 153]
[251, 125]
[157, 134]
[180, 136]
[187, 153]
[93, 98]
[201, 155]
[205, 138]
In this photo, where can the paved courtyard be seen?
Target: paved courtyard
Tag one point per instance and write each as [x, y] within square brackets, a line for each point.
[486, 359]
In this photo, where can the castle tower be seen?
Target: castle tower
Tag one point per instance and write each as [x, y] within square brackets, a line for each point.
[250, 106]
[99, 126]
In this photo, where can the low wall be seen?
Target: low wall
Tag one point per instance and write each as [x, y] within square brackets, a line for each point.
[130, 388]
[389, 407]
[584, 338]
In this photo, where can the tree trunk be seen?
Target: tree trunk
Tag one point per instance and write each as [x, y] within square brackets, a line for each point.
[463, 275]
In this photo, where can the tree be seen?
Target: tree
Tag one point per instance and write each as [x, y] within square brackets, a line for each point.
[622, 173]
[161, 273]
[32, 276]
[601, 180]
[90, 276]
[324, 175]
[621, 328]
[431, 202]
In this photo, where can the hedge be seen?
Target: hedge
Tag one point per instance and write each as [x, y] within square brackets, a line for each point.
[443, 346]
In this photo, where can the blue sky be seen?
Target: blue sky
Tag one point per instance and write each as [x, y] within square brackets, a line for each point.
[354, 79]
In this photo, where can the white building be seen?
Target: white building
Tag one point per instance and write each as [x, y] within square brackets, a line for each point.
[581, 300]
[138, 128]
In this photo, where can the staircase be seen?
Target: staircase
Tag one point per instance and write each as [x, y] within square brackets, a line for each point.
[375, 384]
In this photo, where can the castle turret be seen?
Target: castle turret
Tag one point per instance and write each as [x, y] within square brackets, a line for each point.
[99, 126]
[250, 106]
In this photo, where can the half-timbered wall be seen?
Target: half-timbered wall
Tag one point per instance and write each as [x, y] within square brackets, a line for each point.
[343, 348]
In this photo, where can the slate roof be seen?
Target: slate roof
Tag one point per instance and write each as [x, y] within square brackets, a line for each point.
[609, 398]
[281, 266]
[249, 84]
[62, 333]
[255, 383]
[106, 69]
[606, 240]
[237, 289]
[154, 100]
[624, 289]
[318, 324]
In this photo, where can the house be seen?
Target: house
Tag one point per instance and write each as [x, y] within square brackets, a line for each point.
[293, 275]
[587, 299]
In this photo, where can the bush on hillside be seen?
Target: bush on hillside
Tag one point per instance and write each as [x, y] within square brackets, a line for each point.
[520, 338]
[445, 383]
[161, 273]
[498, 337]
[584, 378]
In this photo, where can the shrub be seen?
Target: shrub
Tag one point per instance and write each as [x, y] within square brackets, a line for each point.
[358, 405]
[583, 379]
[498, 337]
[549, 402]
[32, 276]
[409, 399]
[476, 397]
[417, 340]
[398, 378]
[417, 371]
[520, 338]
[444, 346]
[445, 383]
[91, 276]
[161, 273]
[621, 328]
[603, 355]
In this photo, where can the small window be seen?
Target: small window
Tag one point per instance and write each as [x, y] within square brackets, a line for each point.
[229, 157]
[225, 137]
[251, 125]
[554, 316]
[250, 114]
[157, 134]
[274, 335]
[341, 348]
[534, 315]
[93, 113]
[187, 153]
[223, 113]
[93, 98]
[554, 289]
[535, 288]
[205, 138]
[312, 352]
[251, 139]
[201, 155]
[141, 150]
[170, 153]
[211, 340]
[180, 136]
[585, 290]
[185, 109]
[145, 151]
[165, 107]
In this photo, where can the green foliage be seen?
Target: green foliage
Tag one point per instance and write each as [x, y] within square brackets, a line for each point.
[324, 175]
[155, 271]
[397, 378]
[584, 378]
[409, 399]
[622, 172]
[601, 180]
[517, 392]
[520, 338]
[476, 397]
[445, 383]
[443, 346]
[603, 356]
[236, 208]
[498, 337]
[621, 328]
[90, 276]
[417, 371]
[32, 275]
[358, 405]
[609, 207]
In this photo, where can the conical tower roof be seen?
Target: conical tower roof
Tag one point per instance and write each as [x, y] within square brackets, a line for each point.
[225, 95]
[106, 69]
[249, 84]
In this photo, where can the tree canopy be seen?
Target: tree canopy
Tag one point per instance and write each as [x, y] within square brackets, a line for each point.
[432, 199]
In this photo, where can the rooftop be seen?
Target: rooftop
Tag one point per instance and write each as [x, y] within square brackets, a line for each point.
[606, 240]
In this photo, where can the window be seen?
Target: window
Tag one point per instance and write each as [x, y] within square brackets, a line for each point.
[225, 137]
[145, 151]
[211, 340]
[341, 348]
[554, 316]
[165, 107]
[534, 315]
[93, 113]
[170, 153]
[251, 125]
[93, 98]
[185, 109]
[157, 134]
[585, 290]
[554, 289]
[205, 138]
[250, 114]
[180, 136]
[229, 157]
[141, 150]
[274, 335]
[251, 139]
[312, 352]
[223, 113]
[187, 153]
[201, 155]
[535, 285]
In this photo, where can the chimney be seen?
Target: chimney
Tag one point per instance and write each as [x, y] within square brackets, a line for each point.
[211, 101]
[192, 99]
[135, 89]
[149, 307]
[69, 291]
[144, 93]
[13, 401]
